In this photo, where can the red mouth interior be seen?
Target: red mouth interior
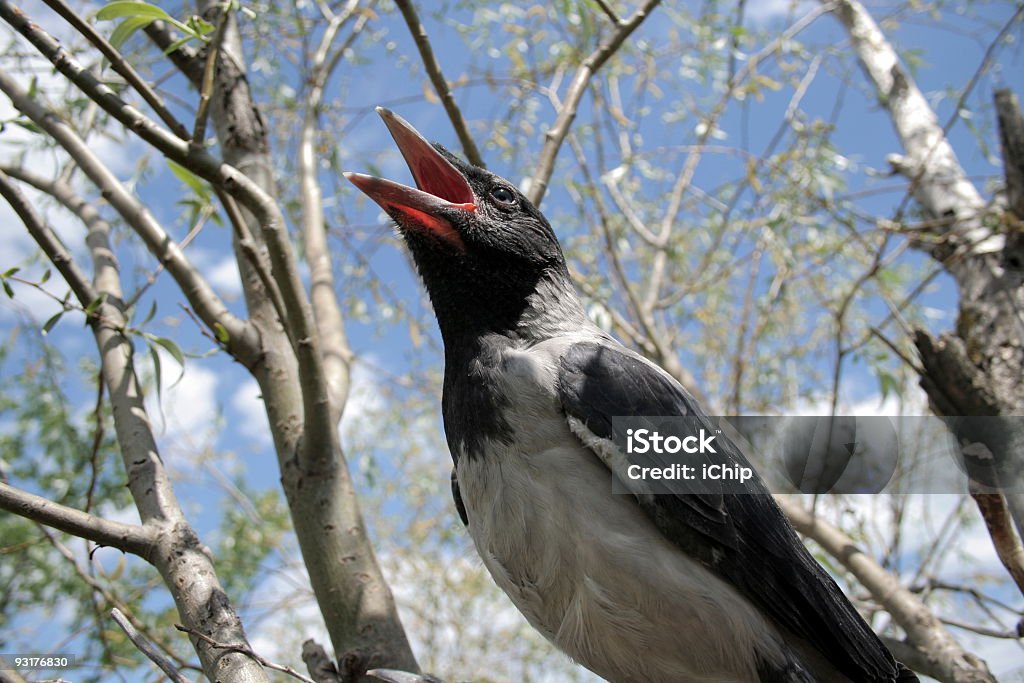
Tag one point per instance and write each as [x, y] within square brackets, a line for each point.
[438, 178]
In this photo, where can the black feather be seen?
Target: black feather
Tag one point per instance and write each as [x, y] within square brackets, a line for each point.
[598, 381]
[459, 505]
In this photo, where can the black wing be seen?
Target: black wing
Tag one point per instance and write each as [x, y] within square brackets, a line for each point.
[457, 495]
[746, 538]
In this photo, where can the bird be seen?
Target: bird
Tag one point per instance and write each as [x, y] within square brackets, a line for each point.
[698, 586]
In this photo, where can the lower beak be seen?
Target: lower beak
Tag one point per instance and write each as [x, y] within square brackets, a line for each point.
[441, 188]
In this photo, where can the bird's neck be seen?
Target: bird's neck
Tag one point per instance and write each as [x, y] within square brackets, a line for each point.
[548, 308]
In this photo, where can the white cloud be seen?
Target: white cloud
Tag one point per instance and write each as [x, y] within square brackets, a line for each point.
[366, 402]
[252, 413]
[761, 11]
[189, 401]
[225, 278]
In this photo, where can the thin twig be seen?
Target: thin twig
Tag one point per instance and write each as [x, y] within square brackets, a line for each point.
[259, 659]
[609, 12]
[209, 71]
[129, 538]
[147, 648]
[981, 630]
[119, 64]
[433, 68]
[97, 441]
[555, 136]
[193, 285]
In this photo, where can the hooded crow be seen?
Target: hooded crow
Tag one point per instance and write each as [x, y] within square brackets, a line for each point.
[695, 587]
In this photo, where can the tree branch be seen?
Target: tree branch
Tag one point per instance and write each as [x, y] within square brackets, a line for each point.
[1011, 138]
[263, 207]
[129, 538]
[243, 341]
[209, 70]
[244, 650]
[555, 135]
[146, 648]
[924, 631]
[48, 240]
[329, 320]
[433, 68]
[174, 548]
[938, 182]
[1004, 537]
[119, 64]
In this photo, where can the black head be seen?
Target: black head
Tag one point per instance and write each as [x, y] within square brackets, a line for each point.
[487, 256]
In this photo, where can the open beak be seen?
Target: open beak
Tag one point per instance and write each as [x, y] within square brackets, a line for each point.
[440, 187]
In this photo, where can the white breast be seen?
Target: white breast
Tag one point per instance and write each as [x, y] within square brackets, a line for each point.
[585, 566]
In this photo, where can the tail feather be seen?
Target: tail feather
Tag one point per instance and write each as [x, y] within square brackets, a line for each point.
[905, 675]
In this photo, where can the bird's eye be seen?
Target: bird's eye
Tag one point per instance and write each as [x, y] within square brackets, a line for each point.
[503, 195]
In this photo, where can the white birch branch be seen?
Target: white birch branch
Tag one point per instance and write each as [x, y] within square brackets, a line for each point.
[924, 630]
[938, 181]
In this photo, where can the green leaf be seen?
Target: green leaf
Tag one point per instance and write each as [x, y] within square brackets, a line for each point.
[48, 325]
[887, 384]
[149, 316]
[194, 182]
[9, 272]
[201, 26]
[157, 377]
[7, 288]
[95, 304]
[178, 43]
[221, 333]
[45, 277]
[115, 10]
[28, 125]
[127, 28]
[171, 348]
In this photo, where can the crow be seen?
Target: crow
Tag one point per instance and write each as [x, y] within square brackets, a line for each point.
[688, 586]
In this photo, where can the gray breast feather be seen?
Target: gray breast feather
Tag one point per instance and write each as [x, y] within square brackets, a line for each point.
[587, 568]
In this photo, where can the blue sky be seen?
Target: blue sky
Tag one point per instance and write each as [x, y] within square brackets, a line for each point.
[215, 405]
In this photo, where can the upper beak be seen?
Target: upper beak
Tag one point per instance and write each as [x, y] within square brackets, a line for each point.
[440, 185]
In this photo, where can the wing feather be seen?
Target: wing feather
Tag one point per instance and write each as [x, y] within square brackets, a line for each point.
[745, 538]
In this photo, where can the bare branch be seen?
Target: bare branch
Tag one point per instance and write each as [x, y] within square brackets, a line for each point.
[981, 630]
[320, 666]
[1011, 137]
[430, 63]
[924, 631]
[609, 12]
[1004, 537]
[242, 341]
[147, 648]
[209, 70]
[938, 181]
[337, 355]
[129, 538]
[263, 207]
[912, 657]
[247, 651]
[47, 240]
[120, 65]
[555, 135]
